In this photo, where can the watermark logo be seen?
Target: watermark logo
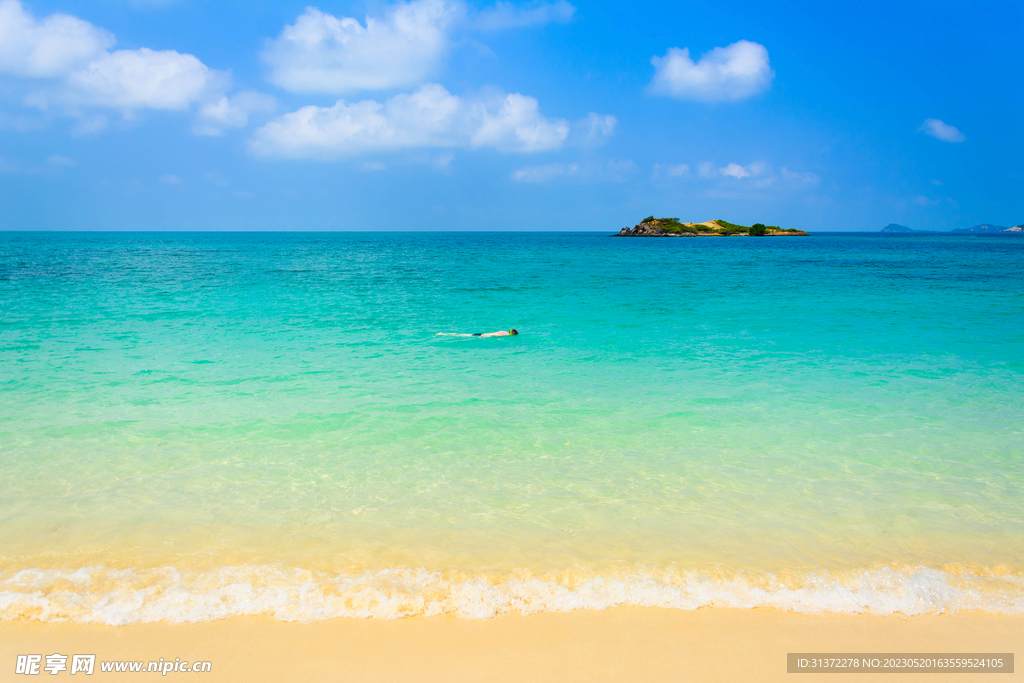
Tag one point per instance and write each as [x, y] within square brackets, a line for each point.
[56, 663]
[32, 665]
[83, 664]
[28, 664]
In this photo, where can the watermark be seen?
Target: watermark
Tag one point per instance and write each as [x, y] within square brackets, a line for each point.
[904, 662]
[34, 665]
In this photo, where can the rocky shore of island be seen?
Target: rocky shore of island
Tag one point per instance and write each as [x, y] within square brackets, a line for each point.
[672, 227]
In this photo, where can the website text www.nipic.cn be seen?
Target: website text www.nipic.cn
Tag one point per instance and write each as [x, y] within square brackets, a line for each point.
[33, 665]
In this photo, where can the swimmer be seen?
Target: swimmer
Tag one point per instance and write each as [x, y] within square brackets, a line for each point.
[499, 333]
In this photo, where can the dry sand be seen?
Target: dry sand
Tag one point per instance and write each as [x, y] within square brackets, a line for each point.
[623, 644]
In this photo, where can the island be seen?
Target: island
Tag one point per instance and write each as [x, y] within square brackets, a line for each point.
[896, 227]
[984, 228]
[671, 227]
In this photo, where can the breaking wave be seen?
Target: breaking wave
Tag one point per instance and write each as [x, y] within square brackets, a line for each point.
[133, 596]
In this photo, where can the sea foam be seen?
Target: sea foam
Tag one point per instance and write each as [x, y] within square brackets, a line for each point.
[131, 596]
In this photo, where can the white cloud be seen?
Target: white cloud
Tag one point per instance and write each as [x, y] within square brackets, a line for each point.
[593, 130]
[60, 160]
[725, 74]
[65, 47]
[89, 125]
[144, 79]
[231, 112]
[942, 131]
[505, 15]
[321, 53]
[75, 55]
[706, 169]
[428, 117]
[798, 178]
[327, 54]
[443, 162]
[541, 174]
[169, 179]
[756, 175]
[373, 166]
[662, 171]
[735, 171]
[150, 4]
[609, 171]
[47, 48]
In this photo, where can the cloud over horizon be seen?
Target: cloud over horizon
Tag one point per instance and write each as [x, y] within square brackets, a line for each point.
[429, 117]
[757, 175]
[725, 74]
[610, 171]
[231, 112]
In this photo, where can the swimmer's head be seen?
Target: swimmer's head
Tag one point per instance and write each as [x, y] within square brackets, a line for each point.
[513, 331]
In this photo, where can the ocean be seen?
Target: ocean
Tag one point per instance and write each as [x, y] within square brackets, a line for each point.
[200, 425]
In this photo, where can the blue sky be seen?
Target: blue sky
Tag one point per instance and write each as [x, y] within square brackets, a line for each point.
[446, 114]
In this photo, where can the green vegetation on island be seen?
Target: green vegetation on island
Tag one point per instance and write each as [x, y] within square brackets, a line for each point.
[671, 226]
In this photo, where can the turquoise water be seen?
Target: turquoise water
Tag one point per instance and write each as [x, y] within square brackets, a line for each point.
[200, 425]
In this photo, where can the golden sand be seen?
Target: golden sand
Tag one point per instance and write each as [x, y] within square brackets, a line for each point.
[623, 644]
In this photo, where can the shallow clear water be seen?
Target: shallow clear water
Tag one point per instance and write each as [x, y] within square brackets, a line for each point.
[198, 425]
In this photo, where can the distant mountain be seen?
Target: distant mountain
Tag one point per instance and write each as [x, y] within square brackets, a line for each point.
[896, 227]
[984, 228]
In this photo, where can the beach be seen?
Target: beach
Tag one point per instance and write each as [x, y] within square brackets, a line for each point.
[324, 357]
[624, 644]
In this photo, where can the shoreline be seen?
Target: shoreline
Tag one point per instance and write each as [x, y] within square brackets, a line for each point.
[131, 596]
[618, 644]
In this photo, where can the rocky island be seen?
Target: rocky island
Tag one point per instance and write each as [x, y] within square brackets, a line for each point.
[671, 227]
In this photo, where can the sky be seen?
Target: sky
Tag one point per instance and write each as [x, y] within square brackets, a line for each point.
[460, 115]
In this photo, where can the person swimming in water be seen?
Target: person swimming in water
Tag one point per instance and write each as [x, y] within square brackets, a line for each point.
[499, 333]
